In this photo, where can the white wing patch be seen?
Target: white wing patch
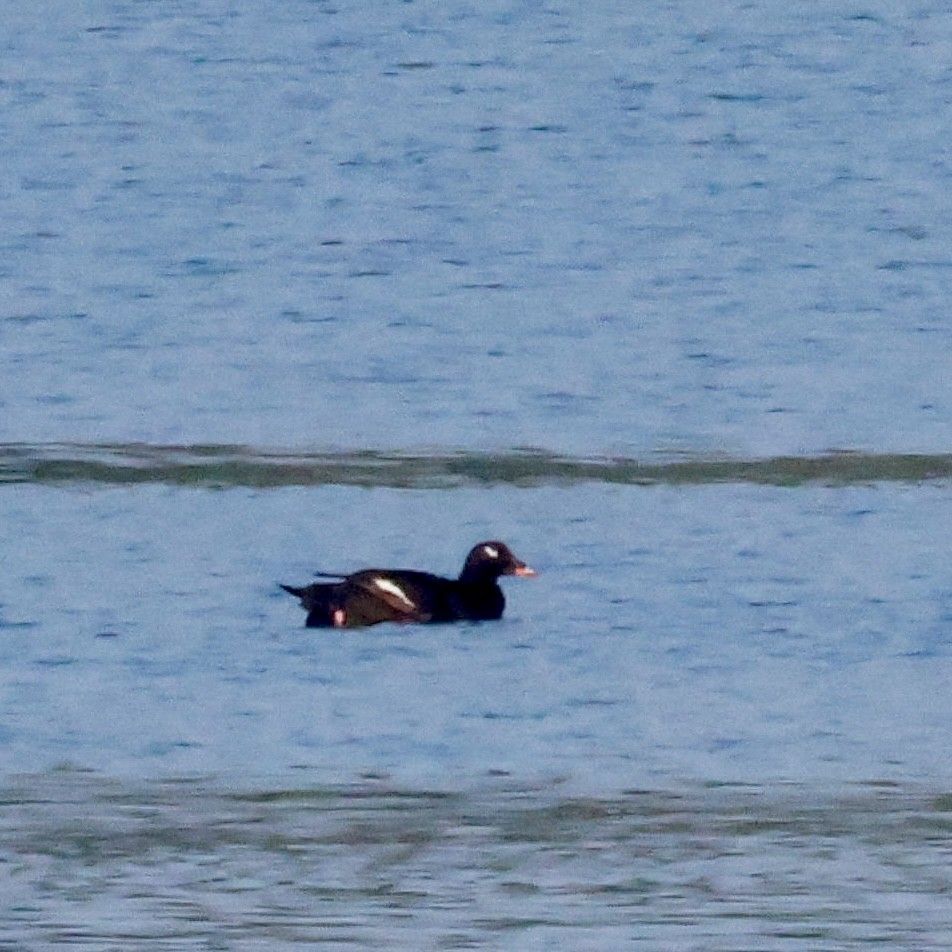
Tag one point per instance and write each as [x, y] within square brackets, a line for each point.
[385, 585]
[491, 551]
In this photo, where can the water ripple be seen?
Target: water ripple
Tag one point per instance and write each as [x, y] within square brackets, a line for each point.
[235, 465]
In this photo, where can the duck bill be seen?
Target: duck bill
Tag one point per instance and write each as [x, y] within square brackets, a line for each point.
[524, 571]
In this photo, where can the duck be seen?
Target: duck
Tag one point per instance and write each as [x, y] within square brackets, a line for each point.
[410, 596]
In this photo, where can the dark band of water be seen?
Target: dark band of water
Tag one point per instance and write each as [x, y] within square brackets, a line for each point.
[113, 865]
[233, 466]
[45, 805]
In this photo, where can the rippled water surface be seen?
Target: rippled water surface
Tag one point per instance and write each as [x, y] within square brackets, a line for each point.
[96, 865]
[718, 719]
[657, 293]
[619, 230]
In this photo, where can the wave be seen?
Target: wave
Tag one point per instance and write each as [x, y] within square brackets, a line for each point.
[222, 465]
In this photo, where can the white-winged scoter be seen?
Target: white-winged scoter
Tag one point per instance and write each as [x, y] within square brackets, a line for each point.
[371, 596]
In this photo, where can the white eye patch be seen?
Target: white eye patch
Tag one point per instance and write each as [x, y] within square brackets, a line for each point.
[491, 551]
[385, 585]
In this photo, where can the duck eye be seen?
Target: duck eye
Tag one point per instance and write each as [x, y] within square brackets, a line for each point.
[492, 552]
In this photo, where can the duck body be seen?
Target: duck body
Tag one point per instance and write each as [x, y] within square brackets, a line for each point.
[407, 596]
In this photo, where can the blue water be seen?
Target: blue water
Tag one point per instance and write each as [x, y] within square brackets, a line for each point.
[720, 633]
[627, 229]
[720, 717]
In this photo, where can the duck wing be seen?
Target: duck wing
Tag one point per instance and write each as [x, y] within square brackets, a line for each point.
[398, 595]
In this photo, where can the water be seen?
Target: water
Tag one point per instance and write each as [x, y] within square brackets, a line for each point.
[614, 231]
[294, 290]
[188, 867]
[718, 719]
[717, 633]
